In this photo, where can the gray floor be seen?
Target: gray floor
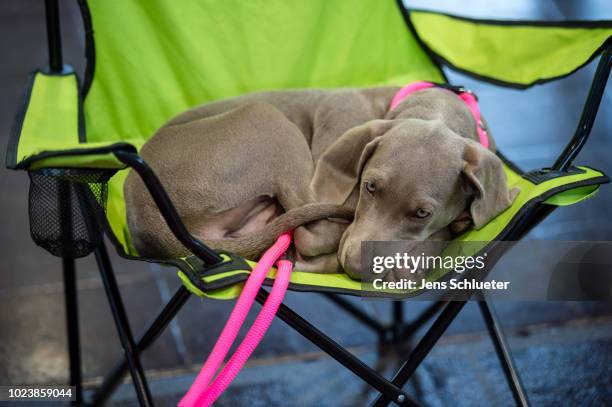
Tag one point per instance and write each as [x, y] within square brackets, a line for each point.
[563, 348]
[459, 371]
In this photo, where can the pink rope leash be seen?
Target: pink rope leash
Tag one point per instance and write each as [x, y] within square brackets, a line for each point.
[202, 391]
[254, 336]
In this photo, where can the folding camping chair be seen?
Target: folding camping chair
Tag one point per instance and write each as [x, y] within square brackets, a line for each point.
[149, 60]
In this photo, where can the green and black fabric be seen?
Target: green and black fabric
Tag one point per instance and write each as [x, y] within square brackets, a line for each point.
[150, 60]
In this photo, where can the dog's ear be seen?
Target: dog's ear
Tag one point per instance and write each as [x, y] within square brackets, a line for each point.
[339, 168]
[484, 174]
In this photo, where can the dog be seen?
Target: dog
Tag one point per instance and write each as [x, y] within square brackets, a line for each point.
[235, 167]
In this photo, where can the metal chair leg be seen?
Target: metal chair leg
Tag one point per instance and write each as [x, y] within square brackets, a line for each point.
[113, 378]
[397, 323]
[72, 326]
[359, 314]
[339, 353]
[424, 346]
[425, 316]
[402, 330]
[123, 327]
[398, 312]
[503, 352]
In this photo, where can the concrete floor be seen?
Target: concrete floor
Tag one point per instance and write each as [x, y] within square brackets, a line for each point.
[531, 127]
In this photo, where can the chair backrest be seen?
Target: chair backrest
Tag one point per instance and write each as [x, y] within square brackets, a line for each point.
[151, 59]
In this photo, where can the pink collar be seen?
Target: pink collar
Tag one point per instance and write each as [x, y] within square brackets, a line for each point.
[468, 97]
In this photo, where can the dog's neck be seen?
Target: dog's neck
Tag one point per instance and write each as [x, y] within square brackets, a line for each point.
[466, 96]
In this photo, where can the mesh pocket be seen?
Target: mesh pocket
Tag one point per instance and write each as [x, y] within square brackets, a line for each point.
[66, 208]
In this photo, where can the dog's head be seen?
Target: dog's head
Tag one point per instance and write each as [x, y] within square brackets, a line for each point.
[413, 180]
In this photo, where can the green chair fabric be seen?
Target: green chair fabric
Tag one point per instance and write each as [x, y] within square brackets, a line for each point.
[513, 53]
[155, 58]
[151, 59]
[49, 130]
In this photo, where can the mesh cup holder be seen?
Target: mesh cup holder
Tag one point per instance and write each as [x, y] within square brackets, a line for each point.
[67, 208]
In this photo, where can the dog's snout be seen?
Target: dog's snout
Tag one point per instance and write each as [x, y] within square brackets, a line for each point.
[352, 261]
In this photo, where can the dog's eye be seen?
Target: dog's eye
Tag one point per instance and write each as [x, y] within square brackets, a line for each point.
[370, 186]
[422, 213]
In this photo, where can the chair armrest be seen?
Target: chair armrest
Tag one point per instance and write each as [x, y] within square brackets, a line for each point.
[48, 133]
[99, 155]
[48, 130]
[517, 54]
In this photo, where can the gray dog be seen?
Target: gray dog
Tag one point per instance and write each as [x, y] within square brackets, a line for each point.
[235, 167]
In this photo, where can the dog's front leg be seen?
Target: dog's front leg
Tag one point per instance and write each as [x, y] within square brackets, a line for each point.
[319, 238]
[323, 264]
